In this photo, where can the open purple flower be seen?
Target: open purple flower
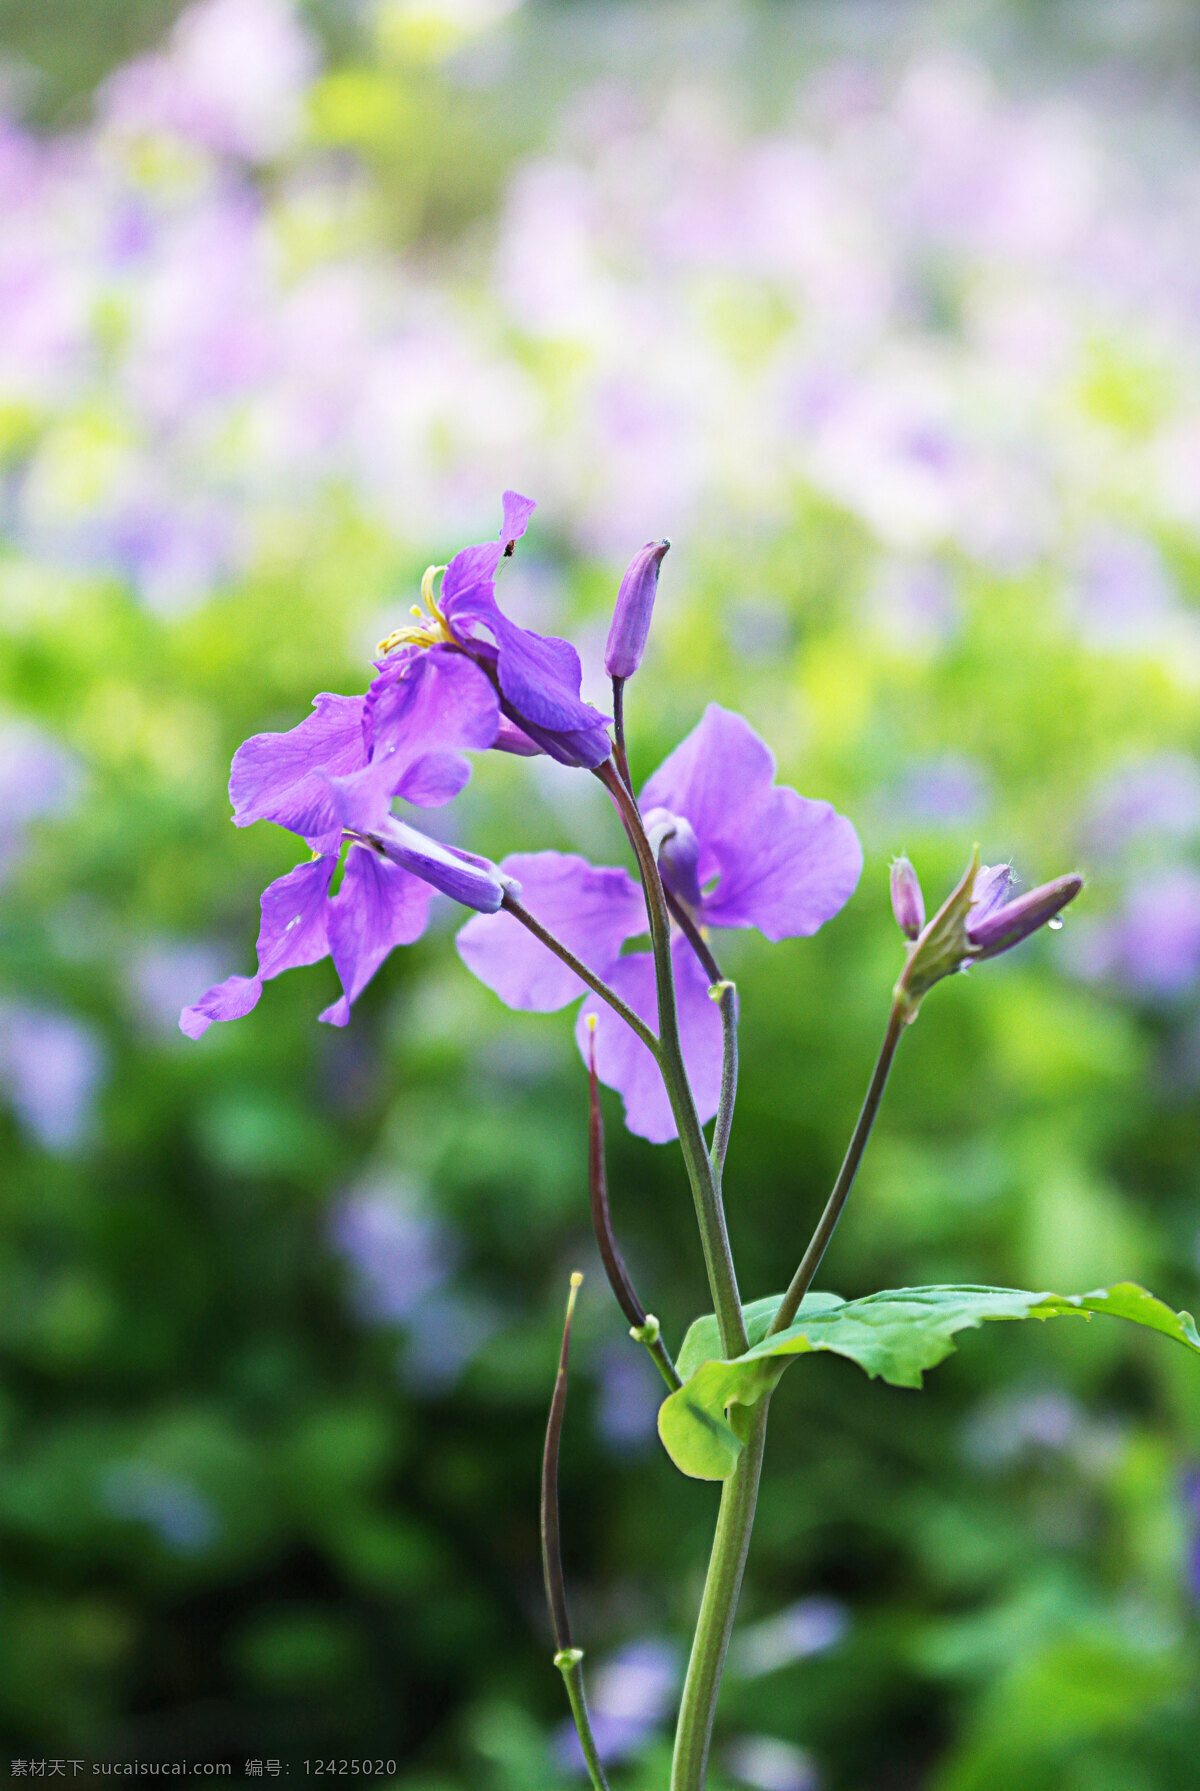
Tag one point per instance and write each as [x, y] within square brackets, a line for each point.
[537, 676]
[332, 780]
[735, 849]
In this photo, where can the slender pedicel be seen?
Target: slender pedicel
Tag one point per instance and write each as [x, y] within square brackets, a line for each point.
[827, 1224]
[512, 906]
[643, 1326]
[724, 993]
[706, 1193]
[619, 753]
[567, 1657]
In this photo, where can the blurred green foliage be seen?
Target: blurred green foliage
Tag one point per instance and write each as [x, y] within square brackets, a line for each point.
[240, 1516]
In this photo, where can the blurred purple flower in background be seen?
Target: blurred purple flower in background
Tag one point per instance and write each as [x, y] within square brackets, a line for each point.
[784, 295]
[1155, 800]
[765, 1764]
[1124, 598]
[400, 1254]
[181, 1518]
[947, 792]
[51, 1069]
[810, 1626]
[630, 1695]
[628, 1395]
[232, 78]
[402, 1258]
[162, 974]
[1025, 1422]
[1152, 943]
[38, 779]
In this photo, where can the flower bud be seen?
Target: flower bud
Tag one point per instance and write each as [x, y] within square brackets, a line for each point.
[991, 888]
[634, 608]
[908, 904]
[1007, 925]
[674, 843]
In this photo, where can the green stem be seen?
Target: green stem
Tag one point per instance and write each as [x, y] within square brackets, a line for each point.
[643, 1326]
[567, 1657]
[513, 907]
[731, 1543]
[650, 1336]
[725, 995]
[569, 1662]
[706, 1193]
[827, 1224]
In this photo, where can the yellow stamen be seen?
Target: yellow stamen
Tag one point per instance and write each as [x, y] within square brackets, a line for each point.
[430, 628]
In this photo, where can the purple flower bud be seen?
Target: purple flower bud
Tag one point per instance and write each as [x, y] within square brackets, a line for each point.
[991, 887]
[908, 904]
[678, 852]
[635, 606]
[1008, 924]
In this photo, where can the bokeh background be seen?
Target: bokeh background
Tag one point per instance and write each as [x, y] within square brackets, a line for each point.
[889, 315]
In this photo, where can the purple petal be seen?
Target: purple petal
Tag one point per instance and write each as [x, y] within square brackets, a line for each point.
[785, 864]
[468, 585]
[418, 714]
[588, 747]
[991, 887]
[720, 766]
[361, 805]
[511, 738]
[377, 907]
[1007, 925]
[517, 511]
[541, 675]
[292, 933]
[284, 777]
[623, 1062]
[230, 1000]
[591, 909]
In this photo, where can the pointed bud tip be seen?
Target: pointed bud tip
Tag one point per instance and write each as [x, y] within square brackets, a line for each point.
[634, 609]
[908, 902]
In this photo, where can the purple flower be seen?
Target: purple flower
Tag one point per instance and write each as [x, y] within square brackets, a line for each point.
[634, 608]
[1153, 943]
[51, 1068]
[333, 779]
[735, 849]
[537, 676]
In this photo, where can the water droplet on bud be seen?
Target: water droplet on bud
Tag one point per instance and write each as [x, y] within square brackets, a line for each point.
[1055, 925]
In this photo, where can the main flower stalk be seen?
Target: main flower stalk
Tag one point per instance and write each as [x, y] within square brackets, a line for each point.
[710, 1213]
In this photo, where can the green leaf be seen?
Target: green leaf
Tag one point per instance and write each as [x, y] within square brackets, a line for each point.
[894, 1335]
